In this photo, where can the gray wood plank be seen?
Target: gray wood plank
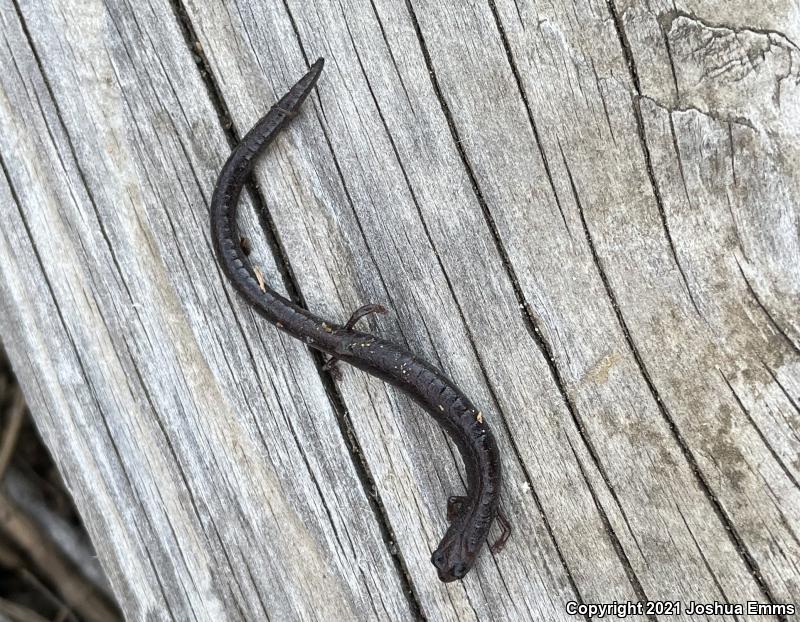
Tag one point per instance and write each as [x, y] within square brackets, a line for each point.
[599, 160]
[209, 492]
[585, 213]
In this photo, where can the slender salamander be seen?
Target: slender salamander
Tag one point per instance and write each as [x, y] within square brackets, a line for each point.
[471, 515]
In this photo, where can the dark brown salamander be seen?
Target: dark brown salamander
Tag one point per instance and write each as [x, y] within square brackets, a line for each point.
[470, 516]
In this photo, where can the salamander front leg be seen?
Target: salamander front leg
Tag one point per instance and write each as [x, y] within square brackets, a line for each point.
[330, 364]
[505, 532]
[454, 505]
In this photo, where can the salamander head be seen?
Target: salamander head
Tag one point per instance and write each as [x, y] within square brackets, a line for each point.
[453, 557]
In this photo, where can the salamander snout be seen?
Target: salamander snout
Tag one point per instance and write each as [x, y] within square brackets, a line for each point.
[449, 569]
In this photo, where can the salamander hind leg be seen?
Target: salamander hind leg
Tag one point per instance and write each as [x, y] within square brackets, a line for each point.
[363, 312]
[331, 366]
[505, 532]
[290, 113]
[454, 505]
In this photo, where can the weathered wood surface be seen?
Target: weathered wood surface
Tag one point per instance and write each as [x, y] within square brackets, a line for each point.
[586, 213]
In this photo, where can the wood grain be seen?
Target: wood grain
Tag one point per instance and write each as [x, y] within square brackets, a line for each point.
[585, 213]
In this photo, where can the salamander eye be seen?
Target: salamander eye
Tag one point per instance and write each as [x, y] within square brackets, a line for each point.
[437, 559]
